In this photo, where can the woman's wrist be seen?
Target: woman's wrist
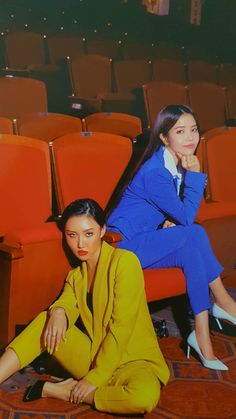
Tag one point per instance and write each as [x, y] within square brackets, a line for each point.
[58, 309]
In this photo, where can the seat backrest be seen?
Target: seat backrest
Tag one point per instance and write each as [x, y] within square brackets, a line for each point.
[6, 126]
[209, 103]
[106, 47]
[25, 182]
[157, 95]
[219, 156]
[169, 50]
[90, 75]
[131, 74]
[47, 126]
[231, 100]
[227, 74]
[21, 95]
[62, 46]
[200, 70]
[114, 122]
[89, 165]
[169, 70]
[137, 51]
[23, 49]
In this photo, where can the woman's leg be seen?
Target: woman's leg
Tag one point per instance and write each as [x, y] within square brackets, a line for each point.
[74, 355]
[29, 344]
[9, 364]
[222, 297]
[24, 348]
[190, 260]
[203, 335]
[134, 388]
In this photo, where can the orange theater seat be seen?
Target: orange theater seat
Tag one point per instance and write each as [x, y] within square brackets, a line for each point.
[47, 126]
[157, 95]
[89, 164]
[208, 100]
[115, 123]
[217, 212]
[32, 262]
[6, 126]
[21, 95]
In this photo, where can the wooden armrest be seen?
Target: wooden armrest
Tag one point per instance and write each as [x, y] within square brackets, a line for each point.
[112, 237]
[10, 252]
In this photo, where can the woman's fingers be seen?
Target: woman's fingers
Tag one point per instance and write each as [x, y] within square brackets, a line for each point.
[190, 162]
[52, 340]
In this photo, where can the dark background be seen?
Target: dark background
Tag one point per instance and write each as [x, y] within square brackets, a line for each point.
[127, 20]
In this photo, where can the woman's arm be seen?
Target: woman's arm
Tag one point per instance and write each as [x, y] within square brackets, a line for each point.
[128, 292]
[67, 299]
[160, 191]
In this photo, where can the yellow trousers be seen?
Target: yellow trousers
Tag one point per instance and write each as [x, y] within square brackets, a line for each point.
[133, 388]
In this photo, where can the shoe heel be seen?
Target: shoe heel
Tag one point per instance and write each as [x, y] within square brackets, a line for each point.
[188, 351]
[218, 323]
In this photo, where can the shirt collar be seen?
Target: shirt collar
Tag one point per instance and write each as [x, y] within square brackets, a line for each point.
[169, 163]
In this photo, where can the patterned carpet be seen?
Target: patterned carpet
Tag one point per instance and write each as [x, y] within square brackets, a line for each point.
[193, 391]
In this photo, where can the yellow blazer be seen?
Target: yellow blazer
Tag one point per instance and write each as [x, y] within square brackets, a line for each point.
[120, 327]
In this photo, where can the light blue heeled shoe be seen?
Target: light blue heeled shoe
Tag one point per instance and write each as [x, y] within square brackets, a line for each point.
[219, 313]
[214, 364]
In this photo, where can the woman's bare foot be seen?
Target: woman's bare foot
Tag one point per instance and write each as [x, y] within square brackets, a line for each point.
[89, 399]
[59, 390]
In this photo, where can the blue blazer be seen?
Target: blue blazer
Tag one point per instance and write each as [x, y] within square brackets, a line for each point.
[151, 198]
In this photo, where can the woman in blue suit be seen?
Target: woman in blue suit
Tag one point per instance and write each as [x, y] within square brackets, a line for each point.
[156, 219]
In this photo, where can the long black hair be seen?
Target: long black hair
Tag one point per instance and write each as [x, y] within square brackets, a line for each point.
[165, 120]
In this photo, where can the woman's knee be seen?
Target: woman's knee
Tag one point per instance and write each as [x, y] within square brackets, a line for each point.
[144, 399]
[197, 235]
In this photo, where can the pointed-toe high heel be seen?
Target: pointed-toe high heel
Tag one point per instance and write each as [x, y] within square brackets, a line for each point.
[34, 392]
[219, 313]
[214, 364]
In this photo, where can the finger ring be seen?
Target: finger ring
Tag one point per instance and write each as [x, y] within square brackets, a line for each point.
[81, 401]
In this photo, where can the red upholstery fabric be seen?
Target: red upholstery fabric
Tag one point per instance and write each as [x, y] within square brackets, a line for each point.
[47, 126]
[157, 95]
[115, 123]
[32, 263]
[220, 151]
[23, 162]
[89, 165]
[21, 237]
[6, 126]
[20, 95]
[164, 283]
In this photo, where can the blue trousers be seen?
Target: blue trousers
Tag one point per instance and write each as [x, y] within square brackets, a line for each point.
[185, 247]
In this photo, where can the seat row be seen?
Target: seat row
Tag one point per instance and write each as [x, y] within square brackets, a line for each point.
[78, 165]
[213, 104]
[28, 50]
[47, 126]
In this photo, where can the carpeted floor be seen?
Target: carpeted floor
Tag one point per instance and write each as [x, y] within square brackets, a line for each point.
[192, 392]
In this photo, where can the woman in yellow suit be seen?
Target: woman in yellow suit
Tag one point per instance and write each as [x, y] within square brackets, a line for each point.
[113, 356]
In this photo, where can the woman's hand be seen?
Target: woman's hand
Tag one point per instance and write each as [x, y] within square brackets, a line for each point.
[55, 329]
[189, 162]
[83, 391]
[168, 223]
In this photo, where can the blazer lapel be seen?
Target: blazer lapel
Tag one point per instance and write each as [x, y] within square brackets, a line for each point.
[100, 295]
[86, 314]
